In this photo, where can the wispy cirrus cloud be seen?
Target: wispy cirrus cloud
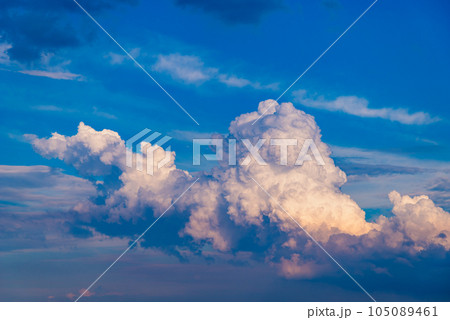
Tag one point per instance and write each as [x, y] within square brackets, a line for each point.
[48, 108]
[234, 81]
[48, 66]
[192, 70]
[359, 107]
[59, 75]
[40, 189]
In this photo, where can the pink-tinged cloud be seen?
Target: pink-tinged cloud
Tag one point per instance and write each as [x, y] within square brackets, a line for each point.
[227, 200]
[72, 296]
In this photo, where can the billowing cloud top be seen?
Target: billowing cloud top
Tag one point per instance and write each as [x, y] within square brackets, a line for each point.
[226, 205]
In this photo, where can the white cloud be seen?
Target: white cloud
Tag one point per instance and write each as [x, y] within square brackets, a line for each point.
[233, 81]
[92, 152]
[59, 75]
[191, 69]
[140, 190]
[95, 153]
[53, 67]
[49, 66]
[310, 193]
[227, 201]
[416, 219]
[359, 107]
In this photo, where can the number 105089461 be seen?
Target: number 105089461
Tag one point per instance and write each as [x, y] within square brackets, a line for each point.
[403, 311]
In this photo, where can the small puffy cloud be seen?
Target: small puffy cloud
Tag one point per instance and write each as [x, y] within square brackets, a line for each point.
[91, 152]
[84, 292]
[190, 69]
[234, 81]
[359, 107]
[416, 220]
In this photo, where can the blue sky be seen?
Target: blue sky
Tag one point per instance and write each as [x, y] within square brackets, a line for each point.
[380, 97]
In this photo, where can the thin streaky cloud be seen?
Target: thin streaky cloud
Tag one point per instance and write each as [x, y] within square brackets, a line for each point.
[53, 75]
[191, 69]
[318, 58]
[137, 63]
[359, 107]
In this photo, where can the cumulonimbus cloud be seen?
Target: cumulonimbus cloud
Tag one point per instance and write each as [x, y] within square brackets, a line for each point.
[226, 205]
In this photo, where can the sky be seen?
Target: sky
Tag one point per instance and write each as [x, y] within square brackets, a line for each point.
[375, 104]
